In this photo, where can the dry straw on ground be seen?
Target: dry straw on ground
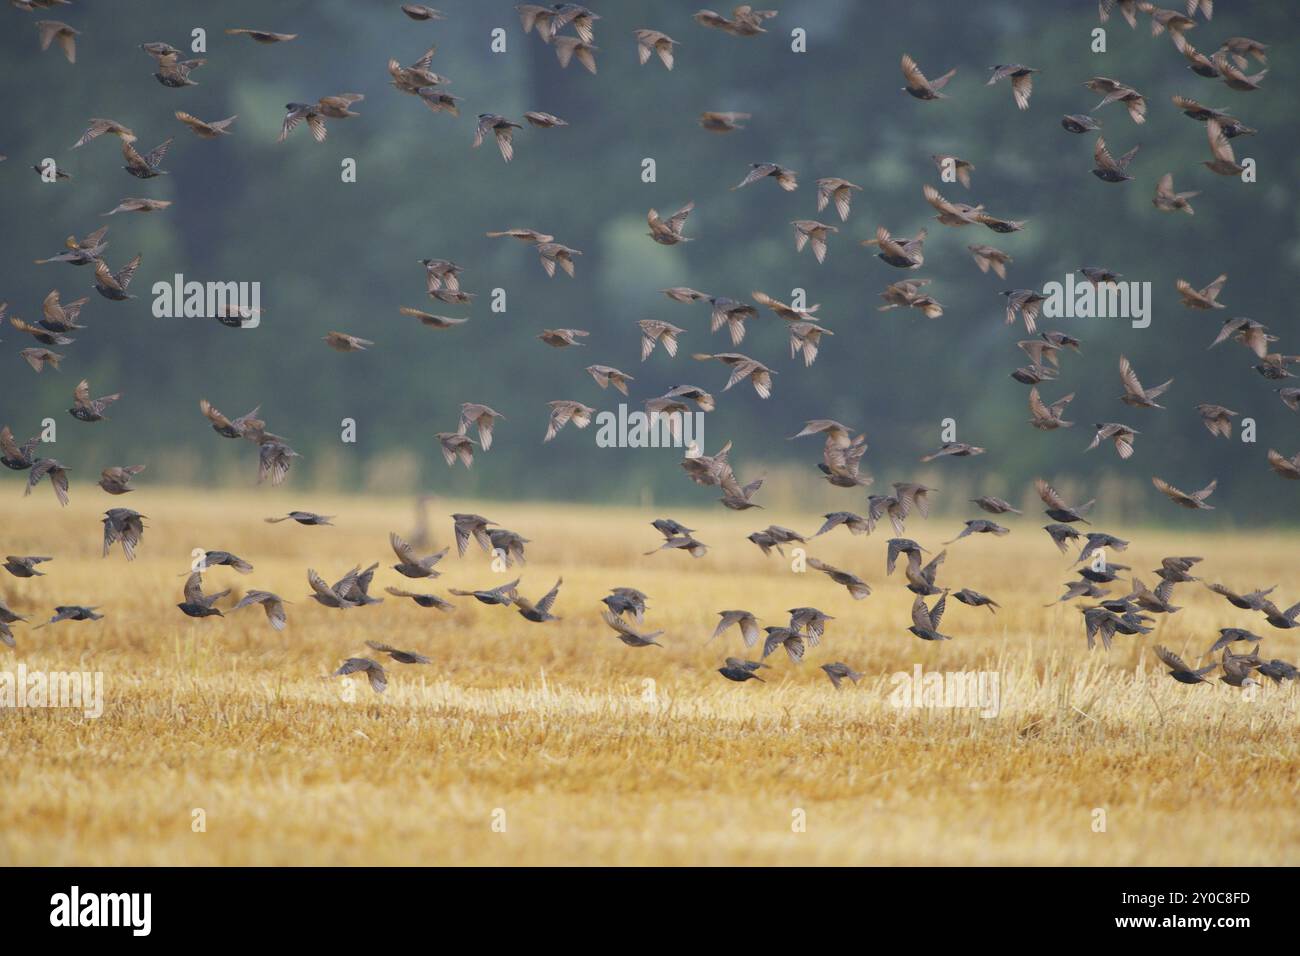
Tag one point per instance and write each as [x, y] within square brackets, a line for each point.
[593, 752]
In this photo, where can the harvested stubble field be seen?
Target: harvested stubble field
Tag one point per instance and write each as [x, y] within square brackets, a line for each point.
[527, 744]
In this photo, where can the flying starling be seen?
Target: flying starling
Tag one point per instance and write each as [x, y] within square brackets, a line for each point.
[113, 285]
[57, 473]
[501, 128]
[52, 30]
[1194, 501]
[745, 21]
[1206, 298]
[838, 671]
[925, 621]
[262, 36]
[373, 670]
[652, 42]
[204, 130]
[787, 179]
[126, 526]
[1107, 168]
[198, 604]
[1022, 81]
[628, 634]
[540, 612]
[85, 408]
[423, 600]
[1180, 671]
[722, 122]
[918, 86]
[117, 481]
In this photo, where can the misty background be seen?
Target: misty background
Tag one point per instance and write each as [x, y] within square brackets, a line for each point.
[342, 256]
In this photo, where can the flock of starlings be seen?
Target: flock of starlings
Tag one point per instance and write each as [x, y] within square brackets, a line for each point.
[1129, 614]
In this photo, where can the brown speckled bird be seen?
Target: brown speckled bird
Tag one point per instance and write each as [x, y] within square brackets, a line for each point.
[212, 130]
[1048, 417]
[99, 127]
[899, 252]
[1079, 123]
[1194, 501]
[565, 411]
[554, 254]
[562, 338]
[429, 319]
[628, 634]
[1216, 419]
[1115, 92]
[987, 257]
[744, 21]
[1234, 78]
[274, 458]
[568, 49]
[742, 367]
[80, 252]
[1206, 298]
[1109, 169]
[541, 120]
[540, 612]
[23, 566]
[113, 285]
[1057, 509]
[810, 231]
[1122, 435]
[1022, 81]
[837, 671]
[57, 474]
[954, 449]
[51, 30]
[857, 588]
[373, 670]
[787, 179]
[402, 657]
[272, 604]
[653, 43]
[1286, 467]
[421, 12]
[1027, 303]
[1166, 200]
[262, 36]
[668, 232]
[1180, 671]
[314, 114]
[126, 526]
[174, 73]
[456, 446]
[342, 342]
[117, 481]
[840, 191]
[422, 600]
[654, 332]
[918, 86]
[1225, 161]
[1134, 394]
[1247, 332]
[87, 409]
[607, 375]
[723, 122]
[410, 564]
